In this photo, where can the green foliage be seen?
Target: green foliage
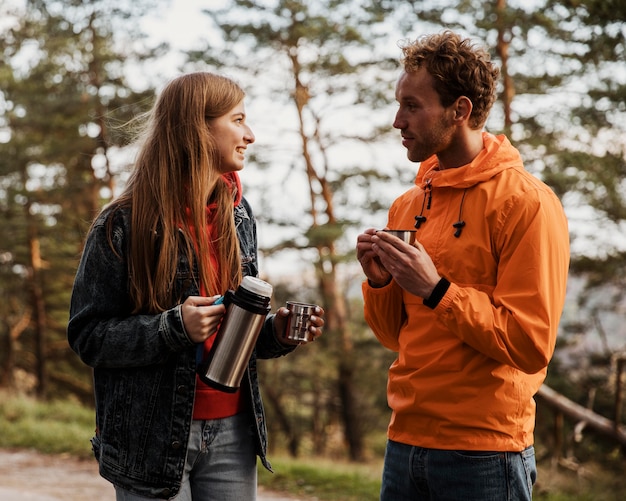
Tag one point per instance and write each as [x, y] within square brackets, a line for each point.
[323, 479]
[324, 63]
[301, 392]
[593, 481]
[65, 427]
[50, 427]
[64, 89]
[61, 88]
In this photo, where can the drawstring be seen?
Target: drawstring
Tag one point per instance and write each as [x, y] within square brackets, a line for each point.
[419, 219]
[426, 203]
[460, 223]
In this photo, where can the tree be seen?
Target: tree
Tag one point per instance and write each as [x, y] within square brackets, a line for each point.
[60, 83]
[590, 167]
[322, 57]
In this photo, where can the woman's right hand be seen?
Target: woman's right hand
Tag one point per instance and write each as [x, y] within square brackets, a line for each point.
[201, 317]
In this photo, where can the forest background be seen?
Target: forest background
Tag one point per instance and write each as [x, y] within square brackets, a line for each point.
[319, 77]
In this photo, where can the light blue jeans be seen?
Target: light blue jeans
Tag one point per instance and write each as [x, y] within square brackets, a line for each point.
[417, 474]
[220, 465]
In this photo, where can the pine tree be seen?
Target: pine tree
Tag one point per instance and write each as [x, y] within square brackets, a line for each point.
[61, 85]
[318, 57]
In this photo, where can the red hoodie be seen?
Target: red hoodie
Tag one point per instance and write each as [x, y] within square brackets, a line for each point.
[210, 403]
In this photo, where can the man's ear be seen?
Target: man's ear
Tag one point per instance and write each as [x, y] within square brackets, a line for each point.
[462, 109]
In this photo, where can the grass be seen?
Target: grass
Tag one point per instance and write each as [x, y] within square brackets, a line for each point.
[65, 427]
[50, 427]
[590, 482]
[323, 479]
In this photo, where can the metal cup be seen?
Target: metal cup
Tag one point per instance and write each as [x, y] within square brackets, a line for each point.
[407, 236]
[299, 321]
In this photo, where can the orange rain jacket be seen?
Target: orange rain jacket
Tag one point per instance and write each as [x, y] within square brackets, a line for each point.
[467, 371]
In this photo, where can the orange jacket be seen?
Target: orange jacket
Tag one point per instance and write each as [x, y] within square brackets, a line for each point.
[467, 371]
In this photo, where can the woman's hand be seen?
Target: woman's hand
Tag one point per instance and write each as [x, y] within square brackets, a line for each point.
[201, 317]
[280, 325]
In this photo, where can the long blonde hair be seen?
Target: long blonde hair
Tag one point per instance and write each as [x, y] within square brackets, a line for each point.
[176, 175]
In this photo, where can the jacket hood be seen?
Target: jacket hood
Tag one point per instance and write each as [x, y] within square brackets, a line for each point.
[497, 155]
[233, 181]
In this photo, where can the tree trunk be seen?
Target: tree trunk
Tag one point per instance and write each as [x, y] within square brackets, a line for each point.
[579, 413]
[334, 300]
[352, 426]
[502, 49]
[14, 328]
[318, 425]
[6, 371]
[293, 440]
[337, 325]
[37, 304]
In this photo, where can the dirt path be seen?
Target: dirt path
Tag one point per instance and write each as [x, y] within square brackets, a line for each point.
[26, 475]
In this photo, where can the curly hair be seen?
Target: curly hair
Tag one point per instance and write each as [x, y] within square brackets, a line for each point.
[458, 68]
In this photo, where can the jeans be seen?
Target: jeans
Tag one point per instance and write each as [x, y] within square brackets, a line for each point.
[220, 464]
[417, 474]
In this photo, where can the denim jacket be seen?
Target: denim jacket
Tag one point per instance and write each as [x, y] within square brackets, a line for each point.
[144, 365]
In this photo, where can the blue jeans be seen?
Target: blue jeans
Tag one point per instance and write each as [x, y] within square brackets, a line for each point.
[417, 474]
[220, 464]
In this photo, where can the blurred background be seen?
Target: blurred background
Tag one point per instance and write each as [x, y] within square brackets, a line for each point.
[319, 77]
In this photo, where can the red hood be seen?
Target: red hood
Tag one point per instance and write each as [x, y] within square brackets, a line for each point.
[233, 181]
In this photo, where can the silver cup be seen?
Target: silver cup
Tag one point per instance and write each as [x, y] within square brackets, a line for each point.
[299, 321]
[407, 236]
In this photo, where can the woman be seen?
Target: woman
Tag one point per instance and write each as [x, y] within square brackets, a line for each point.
[155, 261]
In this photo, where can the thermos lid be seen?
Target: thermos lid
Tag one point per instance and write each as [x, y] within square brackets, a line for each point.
[257, 286]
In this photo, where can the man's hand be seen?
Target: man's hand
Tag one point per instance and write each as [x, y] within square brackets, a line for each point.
[409, 265]
[371, 263]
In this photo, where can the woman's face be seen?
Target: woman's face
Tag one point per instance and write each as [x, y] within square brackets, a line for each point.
[233, 137]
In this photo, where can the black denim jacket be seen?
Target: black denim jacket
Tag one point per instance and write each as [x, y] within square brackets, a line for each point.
[144, 365]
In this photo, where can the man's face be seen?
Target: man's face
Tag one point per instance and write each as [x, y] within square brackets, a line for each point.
[426, 126]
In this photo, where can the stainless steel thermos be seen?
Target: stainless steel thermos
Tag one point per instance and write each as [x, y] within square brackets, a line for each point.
[246, 309]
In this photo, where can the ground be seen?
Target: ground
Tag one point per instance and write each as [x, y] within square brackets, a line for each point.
[27, 475]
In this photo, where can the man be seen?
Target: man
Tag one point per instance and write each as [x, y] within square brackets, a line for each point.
[472, 307]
